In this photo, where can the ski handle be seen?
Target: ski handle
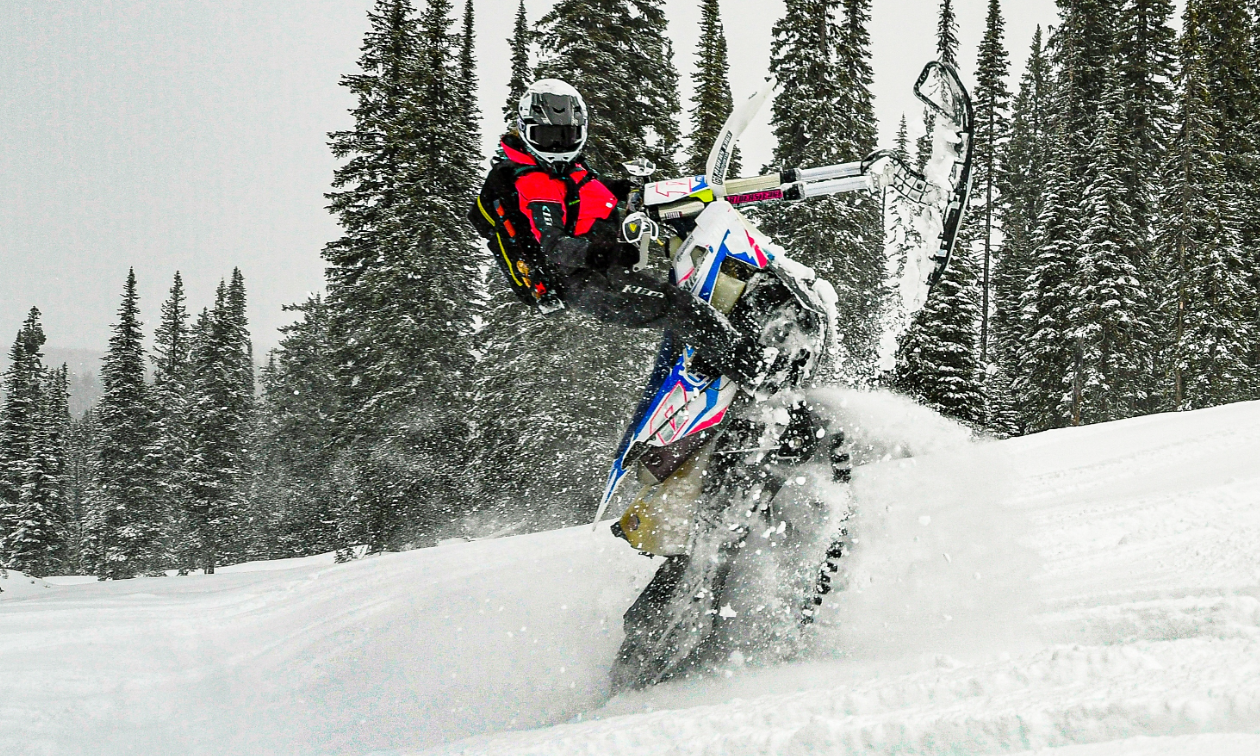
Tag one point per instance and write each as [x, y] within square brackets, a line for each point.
[792, 184]
[947, 98]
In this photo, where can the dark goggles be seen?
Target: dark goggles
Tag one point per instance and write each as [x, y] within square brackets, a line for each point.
[549, 138]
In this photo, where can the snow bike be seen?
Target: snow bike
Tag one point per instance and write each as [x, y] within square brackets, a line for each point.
[730, 474]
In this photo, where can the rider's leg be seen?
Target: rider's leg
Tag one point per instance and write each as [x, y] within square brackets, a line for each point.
[620, 295]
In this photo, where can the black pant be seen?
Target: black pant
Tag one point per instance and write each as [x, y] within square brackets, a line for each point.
[619, 295]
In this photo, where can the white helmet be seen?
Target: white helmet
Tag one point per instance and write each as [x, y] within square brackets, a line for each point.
[551, 118]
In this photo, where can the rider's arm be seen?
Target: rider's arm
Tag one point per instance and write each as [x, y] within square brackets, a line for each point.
[482, 214]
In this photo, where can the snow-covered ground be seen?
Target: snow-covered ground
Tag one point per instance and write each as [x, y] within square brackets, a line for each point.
[1083, 592]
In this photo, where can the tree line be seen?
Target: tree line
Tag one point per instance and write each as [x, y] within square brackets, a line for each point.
[1106, 269]
[158, 474]
[1109, 268]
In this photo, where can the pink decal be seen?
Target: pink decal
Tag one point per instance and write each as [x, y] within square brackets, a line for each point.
[669, 413]
[710, 422]
[674, 188]
[744, 199]
[762, 260]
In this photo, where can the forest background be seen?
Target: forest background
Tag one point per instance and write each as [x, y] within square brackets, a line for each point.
[1107, 270]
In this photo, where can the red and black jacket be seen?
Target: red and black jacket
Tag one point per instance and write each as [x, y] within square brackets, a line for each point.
[525, 208]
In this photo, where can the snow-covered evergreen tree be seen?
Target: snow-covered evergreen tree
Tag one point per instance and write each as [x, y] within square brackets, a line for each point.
[130, 517]
[1021, 183]
[1053, 352]
[823, 114]
[171, 344]
[1047, 357]
[242, 346]
[1146, 57]
[1110, 317]
[991, 101]
[519, 43]
[618, 55]
[81, 523]
[33, 427]
[1085, 55]
[713, 101]
[295, 454]
[401, 276]
[19, 417]
[36, 545]
[1201, 238]
[938, 360]
[219, 427]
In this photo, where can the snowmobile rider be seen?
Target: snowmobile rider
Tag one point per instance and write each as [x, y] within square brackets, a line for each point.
[553, 225]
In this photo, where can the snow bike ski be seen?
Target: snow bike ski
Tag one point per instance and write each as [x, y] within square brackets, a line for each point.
[726, 470]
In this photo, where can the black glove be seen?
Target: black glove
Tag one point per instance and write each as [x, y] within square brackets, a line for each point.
[572, 253]
[604, 255]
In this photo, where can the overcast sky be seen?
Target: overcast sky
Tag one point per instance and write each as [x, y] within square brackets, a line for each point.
[191, 135]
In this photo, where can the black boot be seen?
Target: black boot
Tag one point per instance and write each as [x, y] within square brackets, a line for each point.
[720, 348]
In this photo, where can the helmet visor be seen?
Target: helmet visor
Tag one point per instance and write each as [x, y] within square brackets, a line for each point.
[549, 138]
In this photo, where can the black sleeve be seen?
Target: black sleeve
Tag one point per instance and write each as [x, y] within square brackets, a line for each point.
[479, 214]
[619, 187]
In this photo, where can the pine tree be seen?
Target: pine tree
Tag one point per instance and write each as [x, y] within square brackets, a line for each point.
[36, 545]
[219, 427]
[938, 358]
[823, 114]
[171, 379]
[469, 140]
[947, 53]
[1021, 184]
[296, 454]
[1085, 56]
[1201, 235]
[1046, 355]
[82, 526]
[19, 418]
[1053, 353]
[402, 275]
[240, 356]
[991, 100]
[617, 54]
[367, 189]
[902, 142]
[1109, 320]
[1227, 37]
[242, 350]
[1146, 54]
[713, 101]
[130, 518]
[519, 44]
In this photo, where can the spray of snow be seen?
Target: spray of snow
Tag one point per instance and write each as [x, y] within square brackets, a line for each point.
[913, 236]
[935, 563]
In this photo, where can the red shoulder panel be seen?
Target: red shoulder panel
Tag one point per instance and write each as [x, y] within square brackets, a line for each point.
[597, 204]
[516, 156]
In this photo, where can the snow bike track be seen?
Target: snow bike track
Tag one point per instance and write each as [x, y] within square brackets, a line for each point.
[1089, 591]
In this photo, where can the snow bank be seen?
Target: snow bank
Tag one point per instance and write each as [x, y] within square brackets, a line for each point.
[402, 650]
[14, 584]
[1117, 611]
